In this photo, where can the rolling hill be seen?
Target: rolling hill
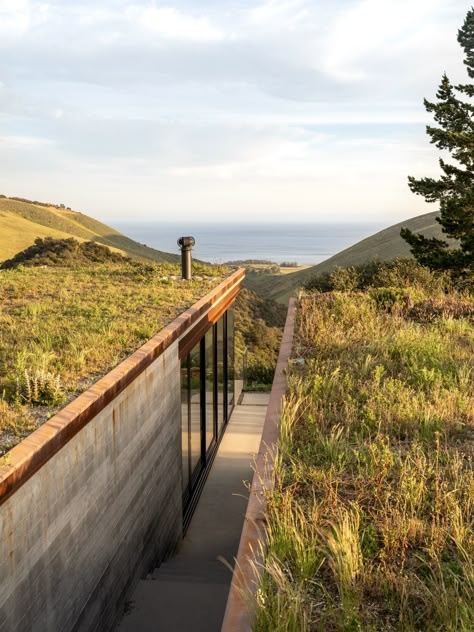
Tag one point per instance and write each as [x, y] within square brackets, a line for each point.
[21, 221]
[386, 244]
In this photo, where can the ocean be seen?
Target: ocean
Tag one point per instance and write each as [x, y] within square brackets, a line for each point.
[305, 244]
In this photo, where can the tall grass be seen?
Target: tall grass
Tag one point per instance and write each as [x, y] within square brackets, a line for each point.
[370, 524]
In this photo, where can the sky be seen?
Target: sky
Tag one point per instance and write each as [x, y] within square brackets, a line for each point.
[270, 110]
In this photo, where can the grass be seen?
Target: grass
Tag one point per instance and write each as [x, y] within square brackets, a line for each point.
[18, 232]
[62, 328]
[386, 244]
[23, 221]
[370, 523]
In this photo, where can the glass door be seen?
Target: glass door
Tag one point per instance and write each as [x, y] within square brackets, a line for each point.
[206, 402]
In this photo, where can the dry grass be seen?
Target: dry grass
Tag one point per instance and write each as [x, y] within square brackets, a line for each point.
[370, 525]
[62, 328]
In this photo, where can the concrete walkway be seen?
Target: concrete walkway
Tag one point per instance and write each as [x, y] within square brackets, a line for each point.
[189, 591]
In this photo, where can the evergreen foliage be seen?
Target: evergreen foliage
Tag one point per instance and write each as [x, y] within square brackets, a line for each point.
[454, 190]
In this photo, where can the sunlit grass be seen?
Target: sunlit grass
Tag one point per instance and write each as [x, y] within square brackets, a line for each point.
[62, 328]
[370, 523]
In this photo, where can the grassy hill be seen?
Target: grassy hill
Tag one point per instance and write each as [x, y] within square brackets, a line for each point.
[21, 221]
[386, 244]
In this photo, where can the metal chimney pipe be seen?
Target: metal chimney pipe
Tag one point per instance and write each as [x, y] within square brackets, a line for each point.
[186, 244]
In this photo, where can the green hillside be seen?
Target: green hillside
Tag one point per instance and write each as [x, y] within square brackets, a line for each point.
[22, 221]
[386, 244]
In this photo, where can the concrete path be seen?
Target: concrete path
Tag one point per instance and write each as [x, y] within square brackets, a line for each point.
[189, 591]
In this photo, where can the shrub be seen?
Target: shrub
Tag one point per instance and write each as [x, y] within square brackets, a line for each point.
[344, 279]
[393, 299]
[259, 374]
[49, 251]
[388, 298]
[399, 272]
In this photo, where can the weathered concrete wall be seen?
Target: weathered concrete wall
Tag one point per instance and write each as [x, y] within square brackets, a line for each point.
[71, 536]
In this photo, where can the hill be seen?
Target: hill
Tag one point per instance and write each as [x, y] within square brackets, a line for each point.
[386, 244]
[22, 221]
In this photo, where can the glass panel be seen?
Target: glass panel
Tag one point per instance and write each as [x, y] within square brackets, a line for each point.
[185, 420]
[209, 344]
[195, 406]
[230, 361]
[220, 374]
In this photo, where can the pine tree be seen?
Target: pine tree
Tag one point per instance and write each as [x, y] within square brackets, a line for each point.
[454, 190]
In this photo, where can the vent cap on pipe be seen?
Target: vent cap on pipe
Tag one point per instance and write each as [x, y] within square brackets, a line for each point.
[186, 244]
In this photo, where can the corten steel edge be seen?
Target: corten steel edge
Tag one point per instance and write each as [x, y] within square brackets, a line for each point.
[238, 615]
[26, 458]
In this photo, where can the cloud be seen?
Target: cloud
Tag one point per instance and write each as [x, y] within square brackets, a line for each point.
[24, 141]
[371, 38]
[15, 18]
[277, 100]
[172, 24]
[279, 14]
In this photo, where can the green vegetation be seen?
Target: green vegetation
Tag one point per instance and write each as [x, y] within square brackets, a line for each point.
[62, 327]
[384, 245]
[250, 262]
[258, 329]
[370, 522]
[69, 252]
[23, 221]
[454, 190]
[395, 273]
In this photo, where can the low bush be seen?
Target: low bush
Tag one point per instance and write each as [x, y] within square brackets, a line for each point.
[400, 272]
[62, 252]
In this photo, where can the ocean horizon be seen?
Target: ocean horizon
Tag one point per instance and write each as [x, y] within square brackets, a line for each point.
[305, 244]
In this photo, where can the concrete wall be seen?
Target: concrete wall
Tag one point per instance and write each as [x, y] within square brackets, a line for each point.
[98, 514]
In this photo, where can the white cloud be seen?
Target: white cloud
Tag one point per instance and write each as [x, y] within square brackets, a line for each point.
[279, 13]
[15, 18]
[172, 24]
[370, 37]
[24, 141]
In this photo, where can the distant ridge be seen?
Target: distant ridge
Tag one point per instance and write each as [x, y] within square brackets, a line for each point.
[22, 221]
[386, 244]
